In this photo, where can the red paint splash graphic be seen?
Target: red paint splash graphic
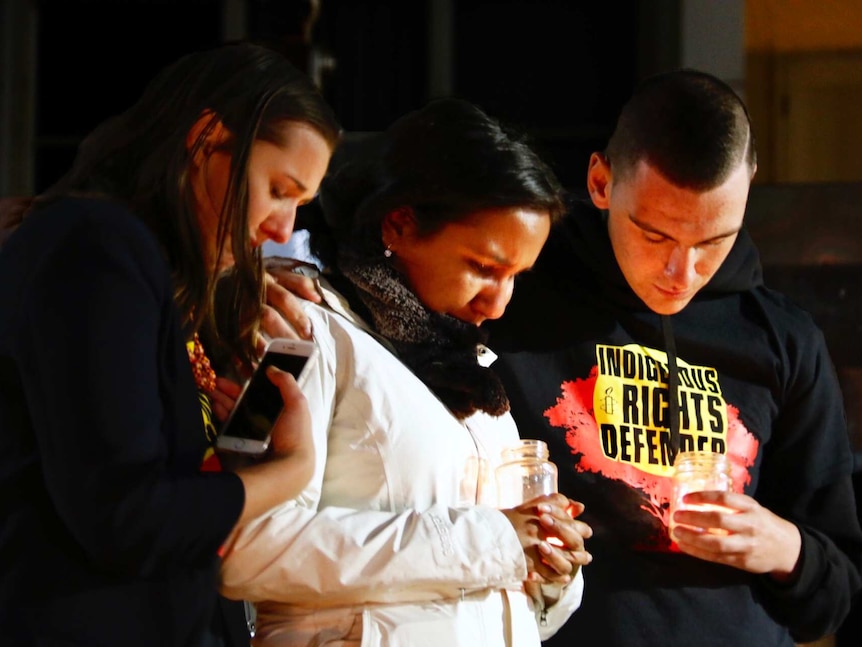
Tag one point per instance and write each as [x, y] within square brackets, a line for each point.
[574, 413]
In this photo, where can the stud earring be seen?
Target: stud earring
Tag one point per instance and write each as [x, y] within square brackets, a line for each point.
[388, 251]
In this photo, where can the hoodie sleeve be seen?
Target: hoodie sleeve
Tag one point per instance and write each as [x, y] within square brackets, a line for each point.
[806, 478]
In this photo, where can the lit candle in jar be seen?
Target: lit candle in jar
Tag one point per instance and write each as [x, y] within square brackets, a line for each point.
[699, 472]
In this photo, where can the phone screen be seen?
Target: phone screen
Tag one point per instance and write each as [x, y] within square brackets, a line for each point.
[261, 402]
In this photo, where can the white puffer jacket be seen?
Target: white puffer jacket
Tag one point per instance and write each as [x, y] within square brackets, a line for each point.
[396, 540]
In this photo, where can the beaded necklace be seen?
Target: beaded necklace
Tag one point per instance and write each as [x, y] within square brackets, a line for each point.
[205, 376]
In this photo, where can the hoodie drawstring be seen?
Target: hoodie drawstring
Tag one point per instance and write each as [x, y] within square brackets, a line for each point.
[672, 386]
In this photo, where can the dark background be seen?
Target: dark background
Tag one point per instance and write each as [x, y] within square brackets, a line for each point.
[558, 69]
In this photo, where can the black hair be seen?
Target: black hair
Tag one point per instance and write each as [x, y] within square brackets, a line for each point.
[444, 161]
[142, 157]
[687, 124]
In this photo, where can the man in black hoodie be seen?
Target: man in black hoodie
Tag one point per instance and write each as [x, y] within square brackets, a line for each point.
[645, 329]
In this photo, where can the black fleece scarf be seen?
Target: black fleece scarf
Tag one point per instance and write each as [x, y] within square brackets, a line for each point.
[441, 350]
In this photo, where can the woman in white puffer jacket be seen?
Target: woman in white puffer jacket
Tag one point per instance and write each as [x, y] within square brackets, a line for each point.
[397, 540]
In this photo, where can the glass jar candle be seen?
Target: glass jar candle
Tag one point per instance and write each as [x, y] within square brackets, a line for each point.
[525, 473]
[699, 472]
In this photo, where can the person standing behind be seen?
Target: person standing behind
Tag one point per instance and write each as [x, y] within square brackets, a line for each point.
[397, 540]
[646, 329]
[109, 530]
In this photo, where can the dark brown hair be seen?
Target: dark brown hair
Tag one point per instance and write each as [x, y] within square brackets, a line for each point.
[689, 125]
[141, 157]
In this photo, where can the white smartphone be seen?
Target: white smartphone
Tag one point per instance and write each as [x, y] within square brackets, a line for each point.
[248, 429]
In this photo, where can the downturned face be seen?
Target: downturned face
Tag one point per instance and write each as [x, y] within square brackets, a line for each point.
[281, 177]
[467, 269]
[668, 241]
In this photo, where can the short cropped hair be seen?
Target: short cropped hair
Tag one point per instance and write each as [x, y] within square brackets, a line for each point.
[688, 125]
